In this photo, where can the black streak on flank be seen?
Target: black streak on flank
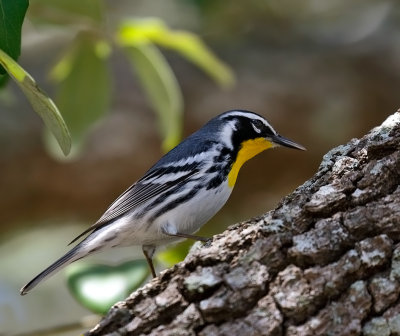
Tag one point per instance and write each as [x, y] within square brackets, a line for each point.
[222, 165]
[176, 202]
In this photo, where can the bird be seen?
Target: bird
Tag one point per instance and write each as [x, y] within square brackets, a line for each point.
[179, 193]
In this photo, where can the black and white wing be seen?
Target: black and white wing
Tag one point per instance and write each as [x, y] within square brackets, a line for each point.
[138, 194]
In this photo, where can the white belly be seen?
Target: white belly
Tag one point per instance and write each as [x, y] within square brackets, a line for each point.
[192, 215]
[185, 218]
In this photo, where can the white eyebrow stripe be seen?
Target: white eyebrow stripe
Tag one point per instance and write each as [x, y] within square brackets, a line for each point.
[250, 115]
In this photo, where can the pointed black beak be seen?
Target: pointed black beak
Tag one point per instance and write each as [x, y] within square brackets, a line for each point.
[282, 141]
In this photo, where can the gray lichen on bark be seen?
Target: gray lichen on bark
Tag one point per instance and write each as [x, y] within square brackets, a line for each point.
[325, 261]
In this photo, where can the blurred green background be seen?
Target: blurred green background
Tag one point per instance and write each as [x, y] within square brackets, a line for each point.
[322, 72]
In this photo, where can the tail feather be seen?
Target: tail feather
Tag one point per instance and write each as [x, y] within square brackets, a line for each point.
[65, 260]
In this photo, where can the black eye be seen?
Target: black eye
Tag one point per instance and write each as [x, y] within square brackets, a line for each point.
[258, 125]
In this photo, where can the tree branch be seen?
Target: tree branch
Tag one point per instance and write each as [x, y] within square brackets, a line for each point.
[326, 260]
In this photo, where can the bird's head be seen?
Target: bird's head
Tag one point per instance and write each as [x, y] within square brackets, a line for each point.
[246, 134]
[239, 129]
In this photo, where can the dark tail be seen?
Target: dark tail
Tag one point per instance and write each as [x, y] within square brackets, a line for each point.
[65, 260]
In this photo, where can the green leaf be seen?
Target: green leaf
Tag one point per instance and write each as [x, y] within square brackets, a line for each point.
[12, 13]
[40, 102]
[98, 287]
[187, 44]
[162, 88]
[175, 254]
[83, 95]
[3, 80]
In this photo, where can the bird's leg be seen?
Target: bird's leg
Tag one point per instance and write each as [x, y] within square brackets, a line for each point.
[183, 235]
[148, 251]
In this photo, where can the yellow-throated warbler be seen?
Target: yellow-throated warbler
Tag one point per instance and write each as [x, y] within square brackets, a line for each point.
[180, 193]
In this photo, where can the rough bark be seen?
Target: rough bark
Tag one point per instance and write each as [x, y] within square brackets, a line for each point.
[325, 261]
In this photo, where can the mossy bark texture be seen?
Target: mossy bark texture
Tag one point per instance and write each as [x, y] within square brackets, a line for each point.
[326, 261]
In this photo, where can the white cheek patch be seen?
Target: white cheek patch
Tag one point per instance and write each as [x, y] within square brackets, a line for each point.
[226, 133]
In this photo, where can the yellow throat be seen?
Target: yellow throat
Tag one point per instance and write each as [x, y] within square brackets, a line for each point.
[249, 149]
